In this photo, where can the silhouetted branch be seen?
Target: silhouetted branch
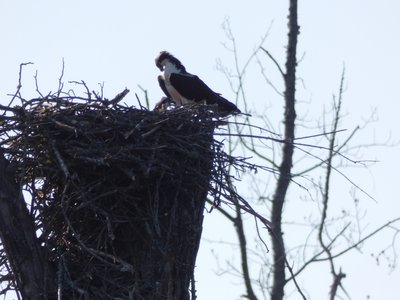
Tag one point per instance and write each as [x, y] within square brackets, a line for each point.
[325, 194]
[274, 61]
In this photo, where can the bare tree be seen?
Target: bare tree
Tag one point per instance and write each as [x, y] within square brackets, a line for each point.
[293, 159]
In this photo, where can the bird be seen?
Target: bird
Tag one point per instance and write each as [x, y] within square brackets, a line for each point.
[164, 104]
[185, 88]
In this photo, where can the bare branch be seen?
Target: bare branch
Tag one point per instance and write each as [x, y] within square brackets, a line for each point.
[274, 61]
[17, 94]
[243, 251]
[325, 194]
[60, 80]
[367, 237]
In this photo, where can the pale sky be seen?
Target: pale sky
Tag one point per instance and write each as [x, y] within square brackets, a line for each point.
[115, 42]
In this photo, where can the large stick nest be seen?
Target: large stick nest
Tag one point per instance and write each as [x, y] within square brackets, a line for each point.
[116, 193]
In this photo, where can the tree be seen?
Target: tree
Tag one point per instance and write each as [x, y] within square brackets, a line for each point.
[335, 235]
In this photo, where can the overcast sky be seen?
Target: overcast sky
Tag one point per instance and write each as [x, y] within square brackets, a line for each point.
[115, 42]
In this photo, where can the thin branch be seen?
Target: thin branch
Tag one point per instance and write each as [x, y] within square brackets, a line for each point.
[243, 251]
[342, 174]
[119, 97]
[37, 84]
[221, 210]
[274, 61]
[19, 86]
[267, 80]
[60, 80]
[355, 245]
[325, 195]
[337, 152]
[318, 254]
[146, 96]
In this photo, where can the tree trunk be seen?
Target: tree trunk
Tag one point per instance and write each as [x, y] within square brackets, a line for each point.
[285, 176]
[33, 274]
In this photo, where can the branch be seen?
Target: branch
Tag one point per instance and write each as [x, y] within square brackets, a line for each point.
[119, 97]
[337, 279]
[238, 222]
[243, 250]
[274, 61]
[19, 86]
[275, 237]
[355, 245]
[325, 195]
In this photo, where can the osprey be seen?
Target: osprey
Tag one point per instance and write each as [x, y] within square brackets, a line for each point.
[163, 104]
[185, 88]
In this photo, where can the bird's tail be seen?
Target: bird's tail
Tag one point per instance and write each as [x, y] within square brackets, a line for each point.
[225, 107]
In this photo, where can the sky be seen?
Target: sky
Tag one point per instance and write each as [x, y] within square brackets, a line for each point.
[115, 43]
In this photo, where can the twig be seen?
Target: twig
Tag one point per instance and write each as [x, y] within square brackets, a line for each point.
[140, 104]
[238, 222]
[146, 96]
[274, 61]
[355, 245]
[37, 84]
[336, 283]
[60, 160]
[60, 82]
[19, 86]
[119, 97]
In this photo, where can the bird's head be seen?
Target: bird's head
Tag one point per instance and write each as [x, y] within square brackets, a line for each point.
[165, 58]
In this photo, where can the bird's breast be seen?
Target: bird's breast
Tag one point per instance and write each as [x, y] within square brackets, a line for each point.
[175, 95]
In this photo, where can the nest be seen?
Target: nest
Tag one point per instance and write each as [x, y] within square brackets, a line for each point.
[116, 193]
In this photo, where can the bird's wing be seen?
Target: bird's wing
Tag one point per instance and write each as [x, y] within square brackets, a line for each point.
[161, 82]
[192, 87]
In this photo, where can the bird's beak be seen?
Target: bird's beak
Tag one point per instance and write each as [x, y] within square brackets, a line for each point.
[160, 67]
